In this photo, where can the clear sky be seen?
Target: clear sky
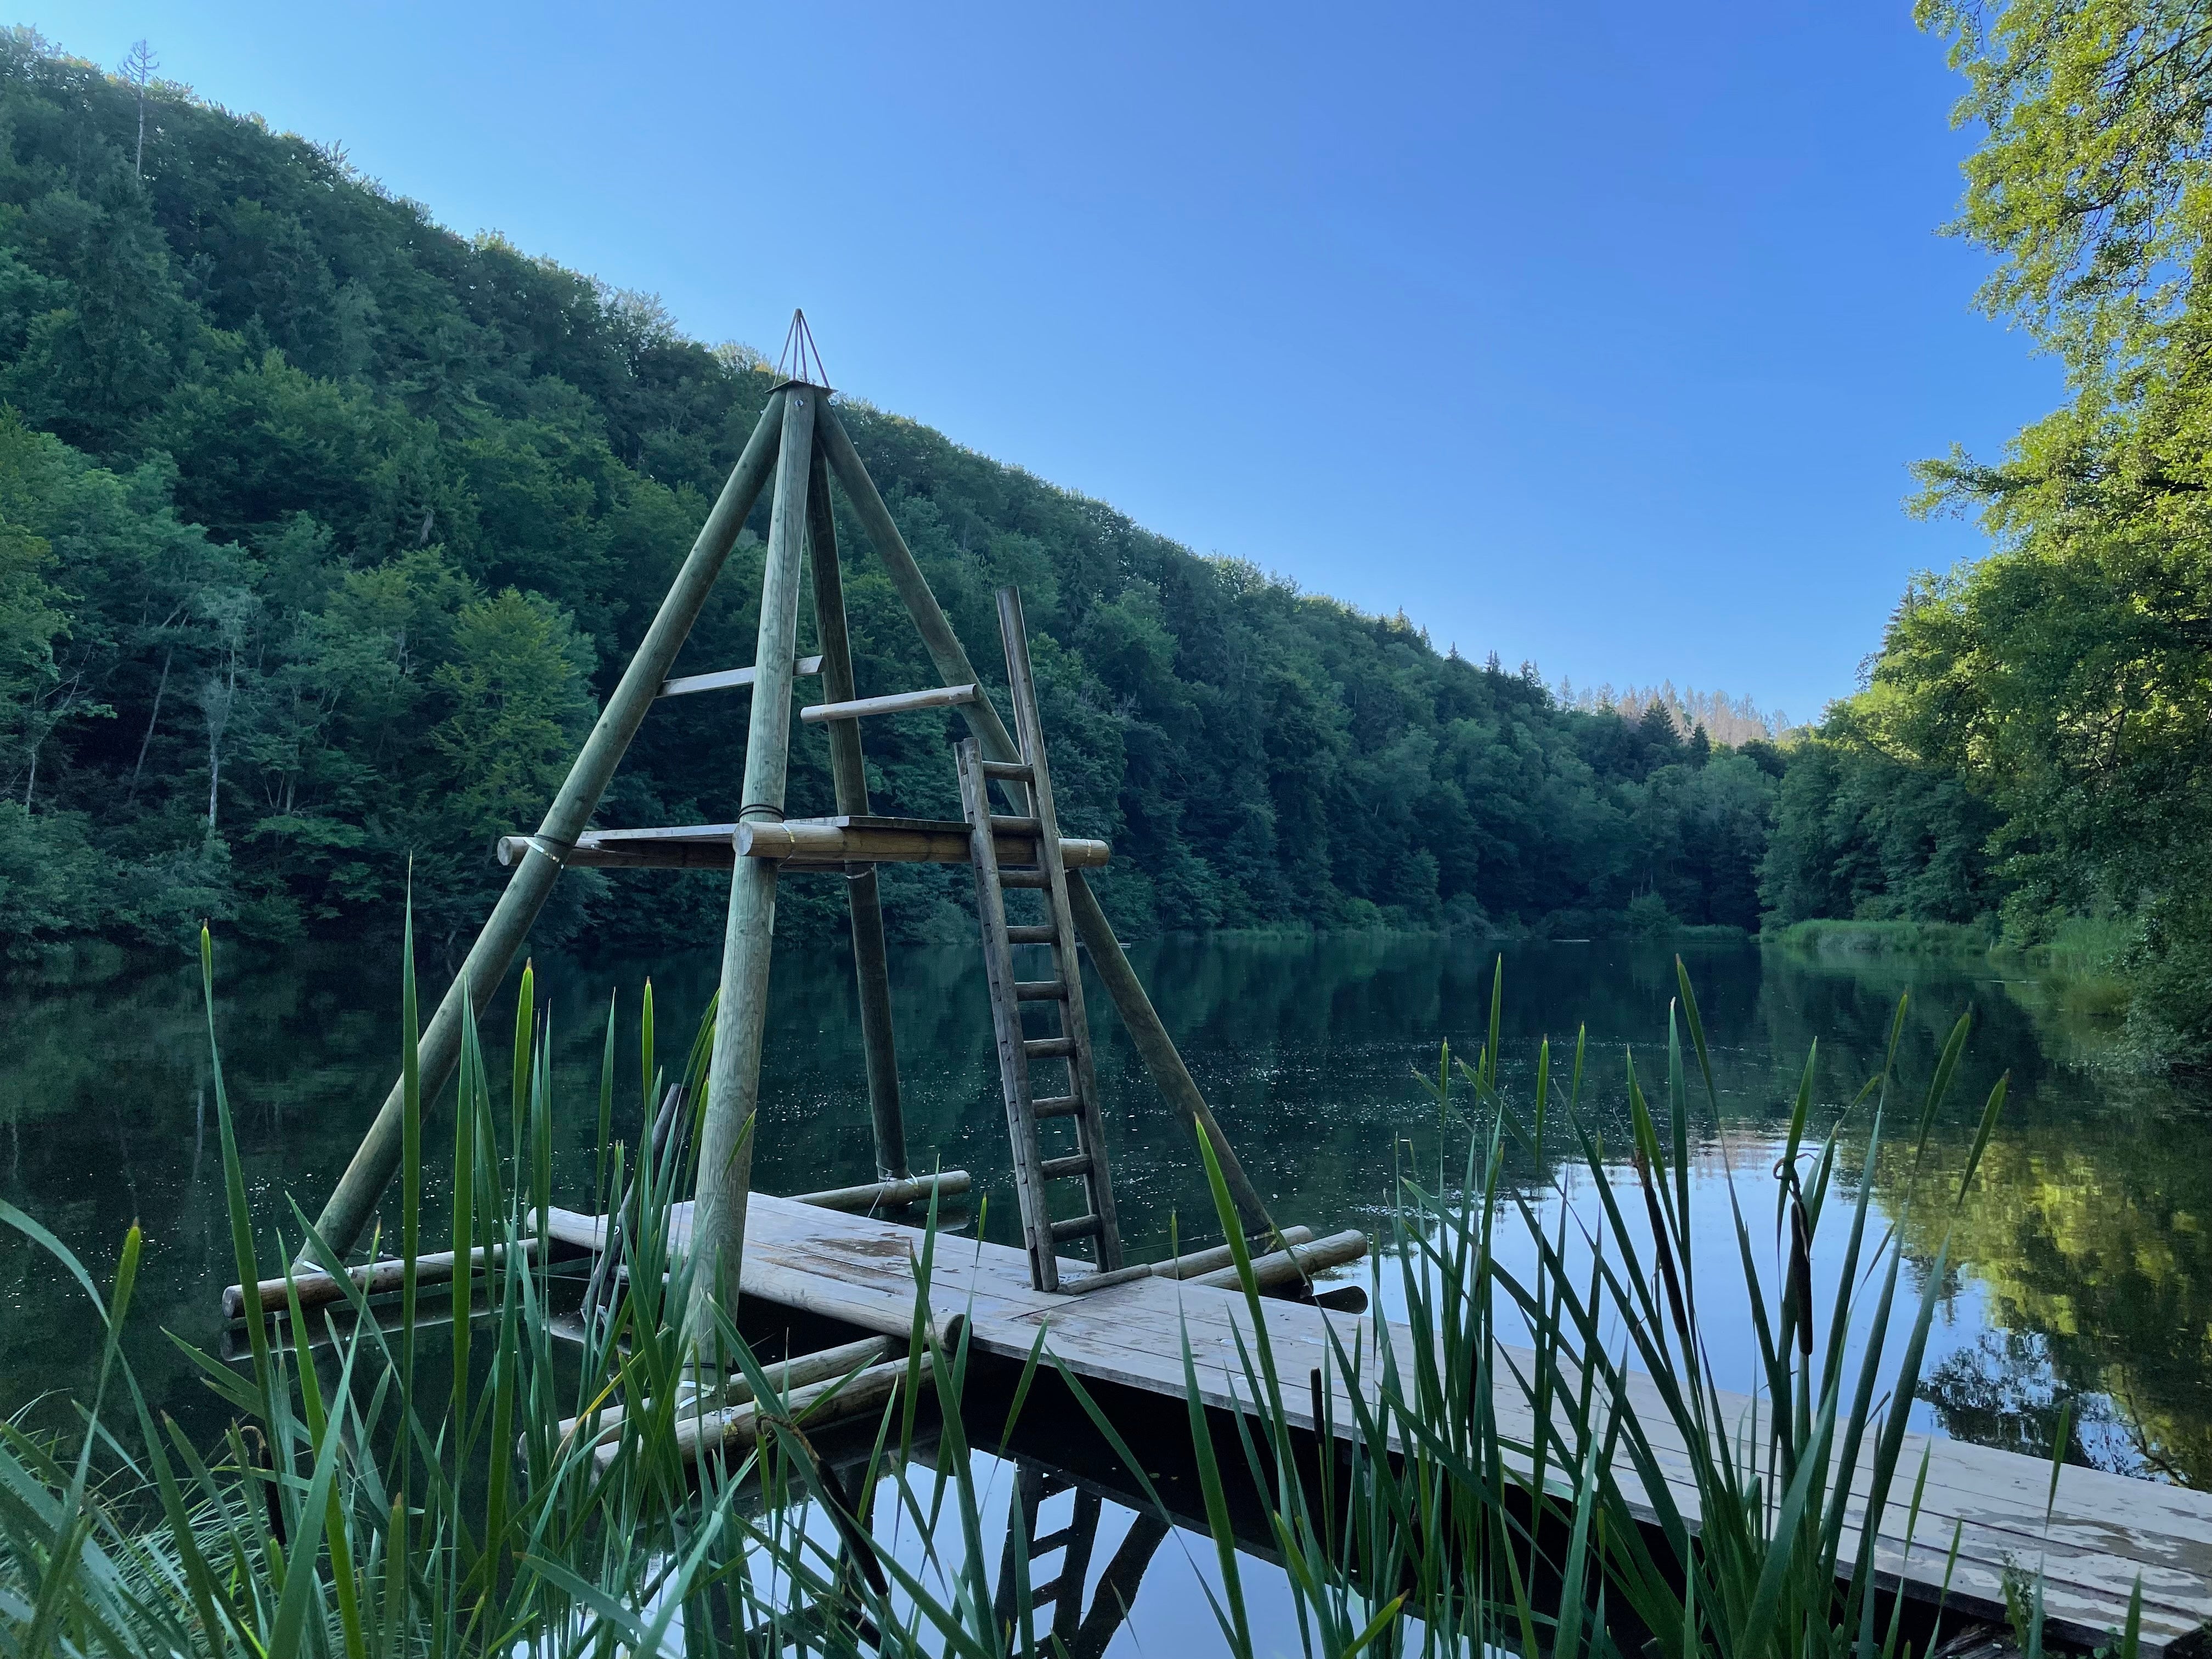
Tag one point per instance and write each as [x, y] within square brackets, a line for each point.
[1597, 335]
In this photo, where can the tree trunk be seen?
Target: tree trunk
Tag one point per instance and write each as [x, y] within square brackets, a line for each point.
[160, 691]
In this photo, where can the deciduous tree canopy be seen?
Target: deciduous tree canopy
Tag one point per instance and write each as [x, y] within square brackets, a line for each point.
[322, 529]
[2036, 734]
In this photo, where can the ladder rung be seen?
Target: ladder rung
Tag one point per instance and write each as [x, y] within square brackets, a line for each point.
[1051, 1590]
[1007, 825]
[1049, 1542]
[1022, 877]
[1056, 1169]
[1012, 771]
[723, 679]
[1040, 990]
[1038, 934]
[1082, 1226]
[898, 702]
[1056, 1106]
[1059, 1048]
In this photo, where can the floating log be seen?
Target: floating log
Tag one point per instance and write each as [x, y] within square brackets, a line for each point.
[734, 1428]
[1188, 1266]
[798, 1372]
[726, 679]
[1300, 1261]
[317, 1289]
[888, 1195]
[1197, 1262]
[898, 702]
[800, 844]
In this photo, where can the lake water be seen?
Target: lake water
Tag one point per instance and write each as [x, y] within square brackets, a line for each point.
[2082, 1263]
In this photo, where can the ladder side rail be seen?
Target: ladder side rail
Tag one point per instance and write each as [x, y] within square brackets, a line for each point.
[1007, 1028]
[346, 1213]
[848, 772]
[1098, 1179]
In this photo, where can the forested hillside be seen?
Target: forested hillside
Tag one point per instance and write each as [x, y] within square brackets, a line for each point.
[2035, 741]
[322, 529]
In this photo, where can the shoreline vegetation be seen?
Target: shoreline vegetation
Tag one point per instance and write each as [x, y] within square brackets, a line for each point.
[394, 1488]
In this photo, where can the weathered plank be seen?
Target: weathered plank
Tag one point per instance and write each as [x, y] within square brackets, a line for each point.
[2104, 1530]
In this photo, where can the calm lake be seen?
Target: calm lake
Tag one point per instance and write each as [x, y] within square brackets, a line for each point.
[2081, 1263]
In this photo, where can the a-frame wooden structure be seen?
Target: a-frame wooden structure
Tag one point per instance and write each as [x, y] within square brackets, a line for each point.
[796, 448]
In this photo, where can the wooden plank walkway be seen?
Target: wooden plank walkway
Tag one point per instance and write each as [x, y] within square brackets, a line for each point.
[2104, 1530]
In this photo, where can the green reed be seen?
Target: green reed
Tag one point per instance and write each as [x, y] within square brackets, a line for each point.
[1501, 1479]
[360, 1506]
[1544, 1461]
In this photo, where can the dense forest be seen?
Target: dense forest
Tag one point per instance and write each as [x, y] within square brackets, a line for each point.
[322, 529]
[2033, 745]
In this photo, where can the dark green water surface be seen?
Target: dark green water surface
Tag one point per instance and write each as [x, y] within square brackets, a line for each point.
[2084, 1267]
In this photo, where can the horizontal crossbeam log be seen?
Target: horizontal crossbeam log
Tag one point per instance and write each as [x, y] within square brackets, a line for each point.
[724, 679]
[818, 843]
[898, 702]
[802, 843]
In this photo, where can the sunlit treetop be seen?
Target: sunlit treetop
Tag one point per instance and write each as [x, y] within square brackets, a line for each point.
[2092, 186]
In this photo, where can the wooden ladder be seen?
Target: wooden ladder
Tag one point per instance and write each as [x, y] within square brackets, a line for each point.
[1061, 991]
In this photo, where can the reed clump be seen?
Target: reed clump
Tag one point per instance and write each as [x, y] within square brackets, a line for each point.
[1500, 1480]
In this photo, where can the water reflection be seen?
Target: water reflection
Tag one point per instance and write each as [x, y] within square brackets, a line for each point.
[2084, 1274]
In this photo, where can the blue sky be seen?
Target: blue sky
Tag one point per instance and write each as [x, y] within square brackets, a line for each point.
[1600, 335]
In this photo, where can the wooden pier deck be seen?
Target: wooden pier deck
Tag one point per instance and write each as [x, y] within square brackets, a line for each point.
[2103, 1531]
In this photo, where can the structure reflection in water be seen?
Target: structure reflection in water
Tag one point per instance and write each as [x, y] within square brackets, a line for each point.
[2084, 1268]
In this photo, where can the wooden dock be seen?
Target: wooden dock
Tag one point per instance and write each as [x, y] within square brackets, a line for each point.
[2104, 1530]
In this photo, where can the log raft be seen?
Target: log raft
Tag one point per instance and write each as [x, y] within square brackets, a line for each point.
[2102, 1533]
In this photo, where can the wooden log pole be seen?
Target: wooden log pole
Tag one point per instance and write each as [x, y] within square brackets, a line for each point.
[945, 652]
[354, 1199]
[1142, 1020]
[1299, 1261]
[1188, 1266]
[317, 1289]
[816, 1407]
[795, 1373]
[864, 904]
[726, 1135]
[891, 702]
[820, 844]
[888, 1195]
